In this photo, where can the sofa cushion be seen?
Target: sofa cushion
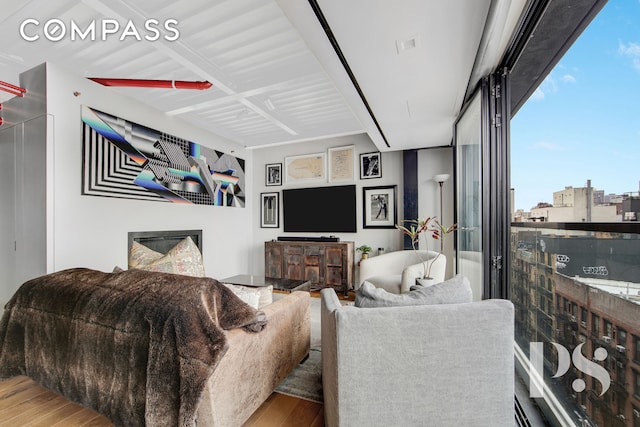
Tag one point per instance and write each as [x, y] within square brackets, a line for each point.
[247, 294]
[389, 282]
[141, 255]
[183, 258]
[452, 291]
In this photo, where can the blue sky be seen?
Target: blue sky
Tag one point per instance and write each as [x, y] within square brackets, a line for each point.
[583, 122]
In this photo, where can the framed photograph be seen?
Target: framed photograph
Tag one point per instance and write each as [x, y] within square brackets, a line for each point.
[273, 174]
[341, 163]
[306, 168]
[270, 210]
[370, 165]
[380, 209]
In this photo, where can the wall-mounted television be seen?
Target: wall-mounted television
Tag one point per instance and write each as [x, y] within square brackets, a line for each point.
[320, 209]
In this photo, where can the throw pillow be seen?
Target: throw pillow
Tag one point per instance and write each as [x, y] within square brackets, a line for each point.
[250, 297]
[265, 293]
[266, 296]
[141, 255]
[184, 258]
[452, 291]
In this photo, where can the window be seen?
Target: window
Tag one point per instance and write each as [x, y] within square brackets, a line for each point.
[621, 402]
[572, 231]
[622, 337]
[608, 329]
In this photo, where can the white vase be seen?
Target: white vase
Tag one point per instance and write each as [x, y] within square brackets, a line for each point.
[425, 281]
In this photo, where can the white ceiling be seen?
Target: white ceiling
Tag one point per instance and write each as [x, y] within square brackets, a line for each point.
[261, 52]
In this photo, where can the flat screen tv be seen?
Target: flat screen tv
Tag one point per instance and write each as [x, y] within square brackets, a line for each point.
[320, 209]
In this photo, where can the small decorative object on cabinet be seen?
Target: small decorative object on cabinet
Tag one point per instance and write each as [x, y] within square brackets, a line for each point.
[324, 264]
[365, 249]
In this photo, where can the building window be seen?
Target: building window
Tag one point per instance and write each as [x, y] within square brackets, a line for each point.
[636, 384]
[595, 324]
[636, 348]
[608, 330]
[622, 337]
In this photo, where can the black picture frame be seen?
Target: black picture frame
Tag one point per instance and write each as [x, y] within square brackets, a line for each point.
[371, 165]
[273, 174]
[270, 210]
[380, 206]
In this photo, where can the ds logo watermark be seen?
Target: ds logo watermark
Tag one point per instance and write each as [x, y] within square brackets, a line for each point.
[582, 364]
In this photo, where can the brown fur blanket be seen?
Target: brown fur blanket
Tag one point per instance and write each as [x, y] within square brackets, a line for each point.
[136, 346]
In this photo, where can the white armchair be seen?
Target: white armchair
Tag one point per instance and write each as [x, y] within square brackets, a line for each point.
[397, 271]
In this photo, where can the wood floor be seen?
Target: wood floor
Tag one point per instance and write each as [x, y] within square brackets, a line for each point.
[25, 403]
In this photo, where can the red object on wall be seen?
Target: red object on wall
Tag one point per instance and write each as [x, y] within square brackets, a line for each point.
[166, 84]
[12, 89]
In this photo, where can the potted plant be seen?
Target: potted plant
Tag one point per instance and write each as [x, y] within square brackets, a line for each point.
[415, 229]
[365, 249]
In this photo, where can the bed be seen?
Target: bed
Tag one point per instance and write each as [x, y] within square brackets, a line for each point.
[152, 348]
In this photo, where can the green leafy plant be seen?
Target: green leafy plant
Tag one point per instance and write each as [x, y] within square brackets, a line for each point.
[364, 249]
[415, 228]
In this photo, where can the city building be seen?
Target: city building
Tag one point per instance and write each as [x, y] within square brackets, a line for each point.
[573, 288]
[582, 204]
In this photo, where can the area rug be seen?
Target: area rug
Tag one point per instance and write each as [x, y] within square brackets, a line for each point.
[305, 381]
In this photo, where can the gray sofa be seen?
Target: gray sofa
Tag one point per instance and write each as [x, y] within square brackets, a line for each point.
[437, 365]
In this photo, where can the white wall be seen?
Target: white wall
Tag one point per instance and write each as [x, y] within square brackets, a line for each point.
[92, 231]
[390, 239]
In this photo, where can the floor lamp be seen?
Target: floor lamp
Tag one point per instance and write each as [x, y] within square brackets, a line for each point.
[440, 179]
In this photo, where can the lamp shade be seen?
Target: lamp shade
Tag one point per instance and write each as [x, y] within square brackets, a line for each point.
[441, 177]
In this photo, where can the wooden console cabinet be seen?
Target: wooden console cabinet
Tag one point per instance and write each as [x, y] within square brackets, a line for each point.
[324, 264]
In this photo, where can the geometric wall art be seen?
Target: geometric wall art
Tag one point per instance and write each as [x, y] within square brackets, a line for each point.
[127, 160]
